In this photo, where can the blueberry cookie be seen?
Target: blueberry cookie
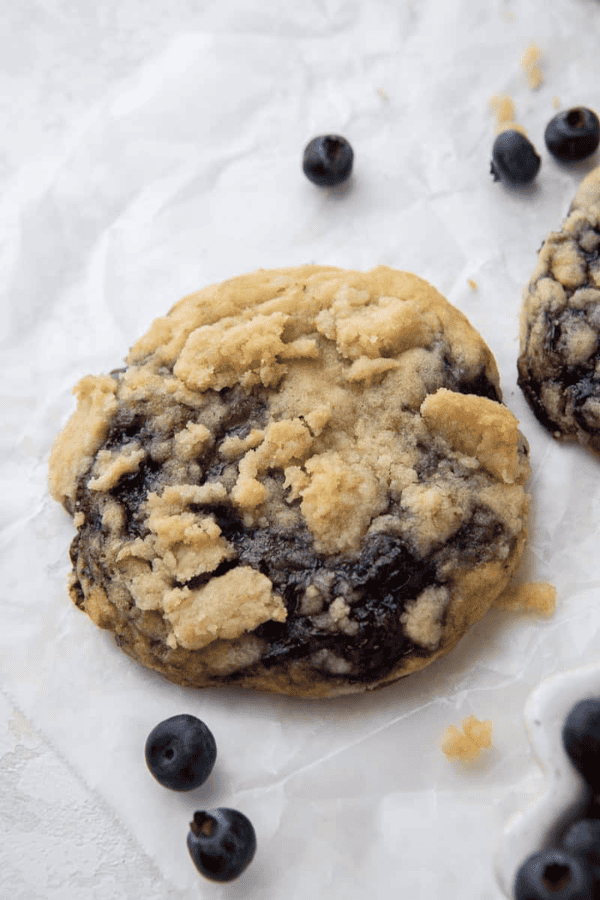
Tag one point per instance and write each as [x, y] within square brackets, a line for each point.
[559, 360]
[303, 481]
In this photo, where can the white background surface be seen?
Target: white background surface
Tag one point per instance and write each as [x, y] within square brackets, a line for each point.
[149, 148]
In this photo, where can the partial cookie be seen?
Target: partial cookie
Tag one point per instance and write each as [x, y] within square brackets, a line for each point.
[559, 361]
[304, 481]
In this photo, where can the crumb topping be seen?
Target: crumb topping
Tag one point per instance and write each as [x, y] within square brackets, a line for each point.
[224, 608]
[479, 428]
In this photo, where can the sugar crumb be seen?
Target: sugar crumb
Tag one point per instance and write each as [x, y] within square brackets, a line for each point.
[533, 596]
[467, 744]
[503, 107]
[531, 66]
[472, 284]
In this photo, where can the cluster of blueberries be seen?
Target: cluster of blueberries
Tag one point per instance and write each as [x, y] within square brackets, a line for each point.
[571, 870]
[570, 136]
[180, 753]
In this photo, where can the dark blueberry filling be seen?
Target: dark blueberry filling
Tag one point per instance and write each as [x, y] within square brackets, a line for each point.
[377, 584]
[125, 429]
[77, 592]
[480, 385]
[132, 491]
[532, 390]
[462, 383]
[586, 388]
[430, 462]
[579, 387]
[244, 411]
[382, 578]
[472, 538]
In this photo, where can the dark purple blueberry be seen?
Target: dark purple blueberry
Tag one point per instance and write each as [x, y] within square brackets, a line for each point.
[514, 160]
[573, 134]
[582, 838]
[554, 875]
[581, 740]
[181, 752]
[327, 160]
[222, 842]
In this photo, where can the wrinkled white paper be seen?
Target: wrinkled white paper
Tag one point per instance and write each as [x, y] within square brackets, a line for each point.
[189, 172]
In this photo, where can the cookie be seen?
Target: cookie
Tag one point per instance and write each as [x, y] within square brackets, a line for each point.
[559, 358]
[303, 481]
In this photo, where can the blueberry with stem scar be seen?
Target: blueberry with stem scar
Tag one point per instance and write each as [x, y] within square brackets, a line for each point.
[181, 752]
[221, 842]
[573, 134]
[554, 875]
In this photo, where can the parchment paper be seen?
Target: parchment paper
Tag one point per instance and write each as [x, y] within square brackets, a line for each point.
[188, 171]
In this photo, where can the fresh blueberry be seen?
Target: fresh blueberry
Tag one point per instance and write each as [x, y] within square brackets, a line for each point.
[581, 740]
[554, 875]
[327, 160]
[222, 842]
[514, 159]
[573, 134]
[181, 752]
[582, 838]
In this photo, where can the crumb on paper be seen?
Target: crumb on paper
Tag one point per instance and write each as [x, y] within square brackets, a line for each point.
[383, 94]
[531, 65]
[534, 596]
[503, 107]
[23, 732]
[472, 284]
[467, 744]
[556, 102]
